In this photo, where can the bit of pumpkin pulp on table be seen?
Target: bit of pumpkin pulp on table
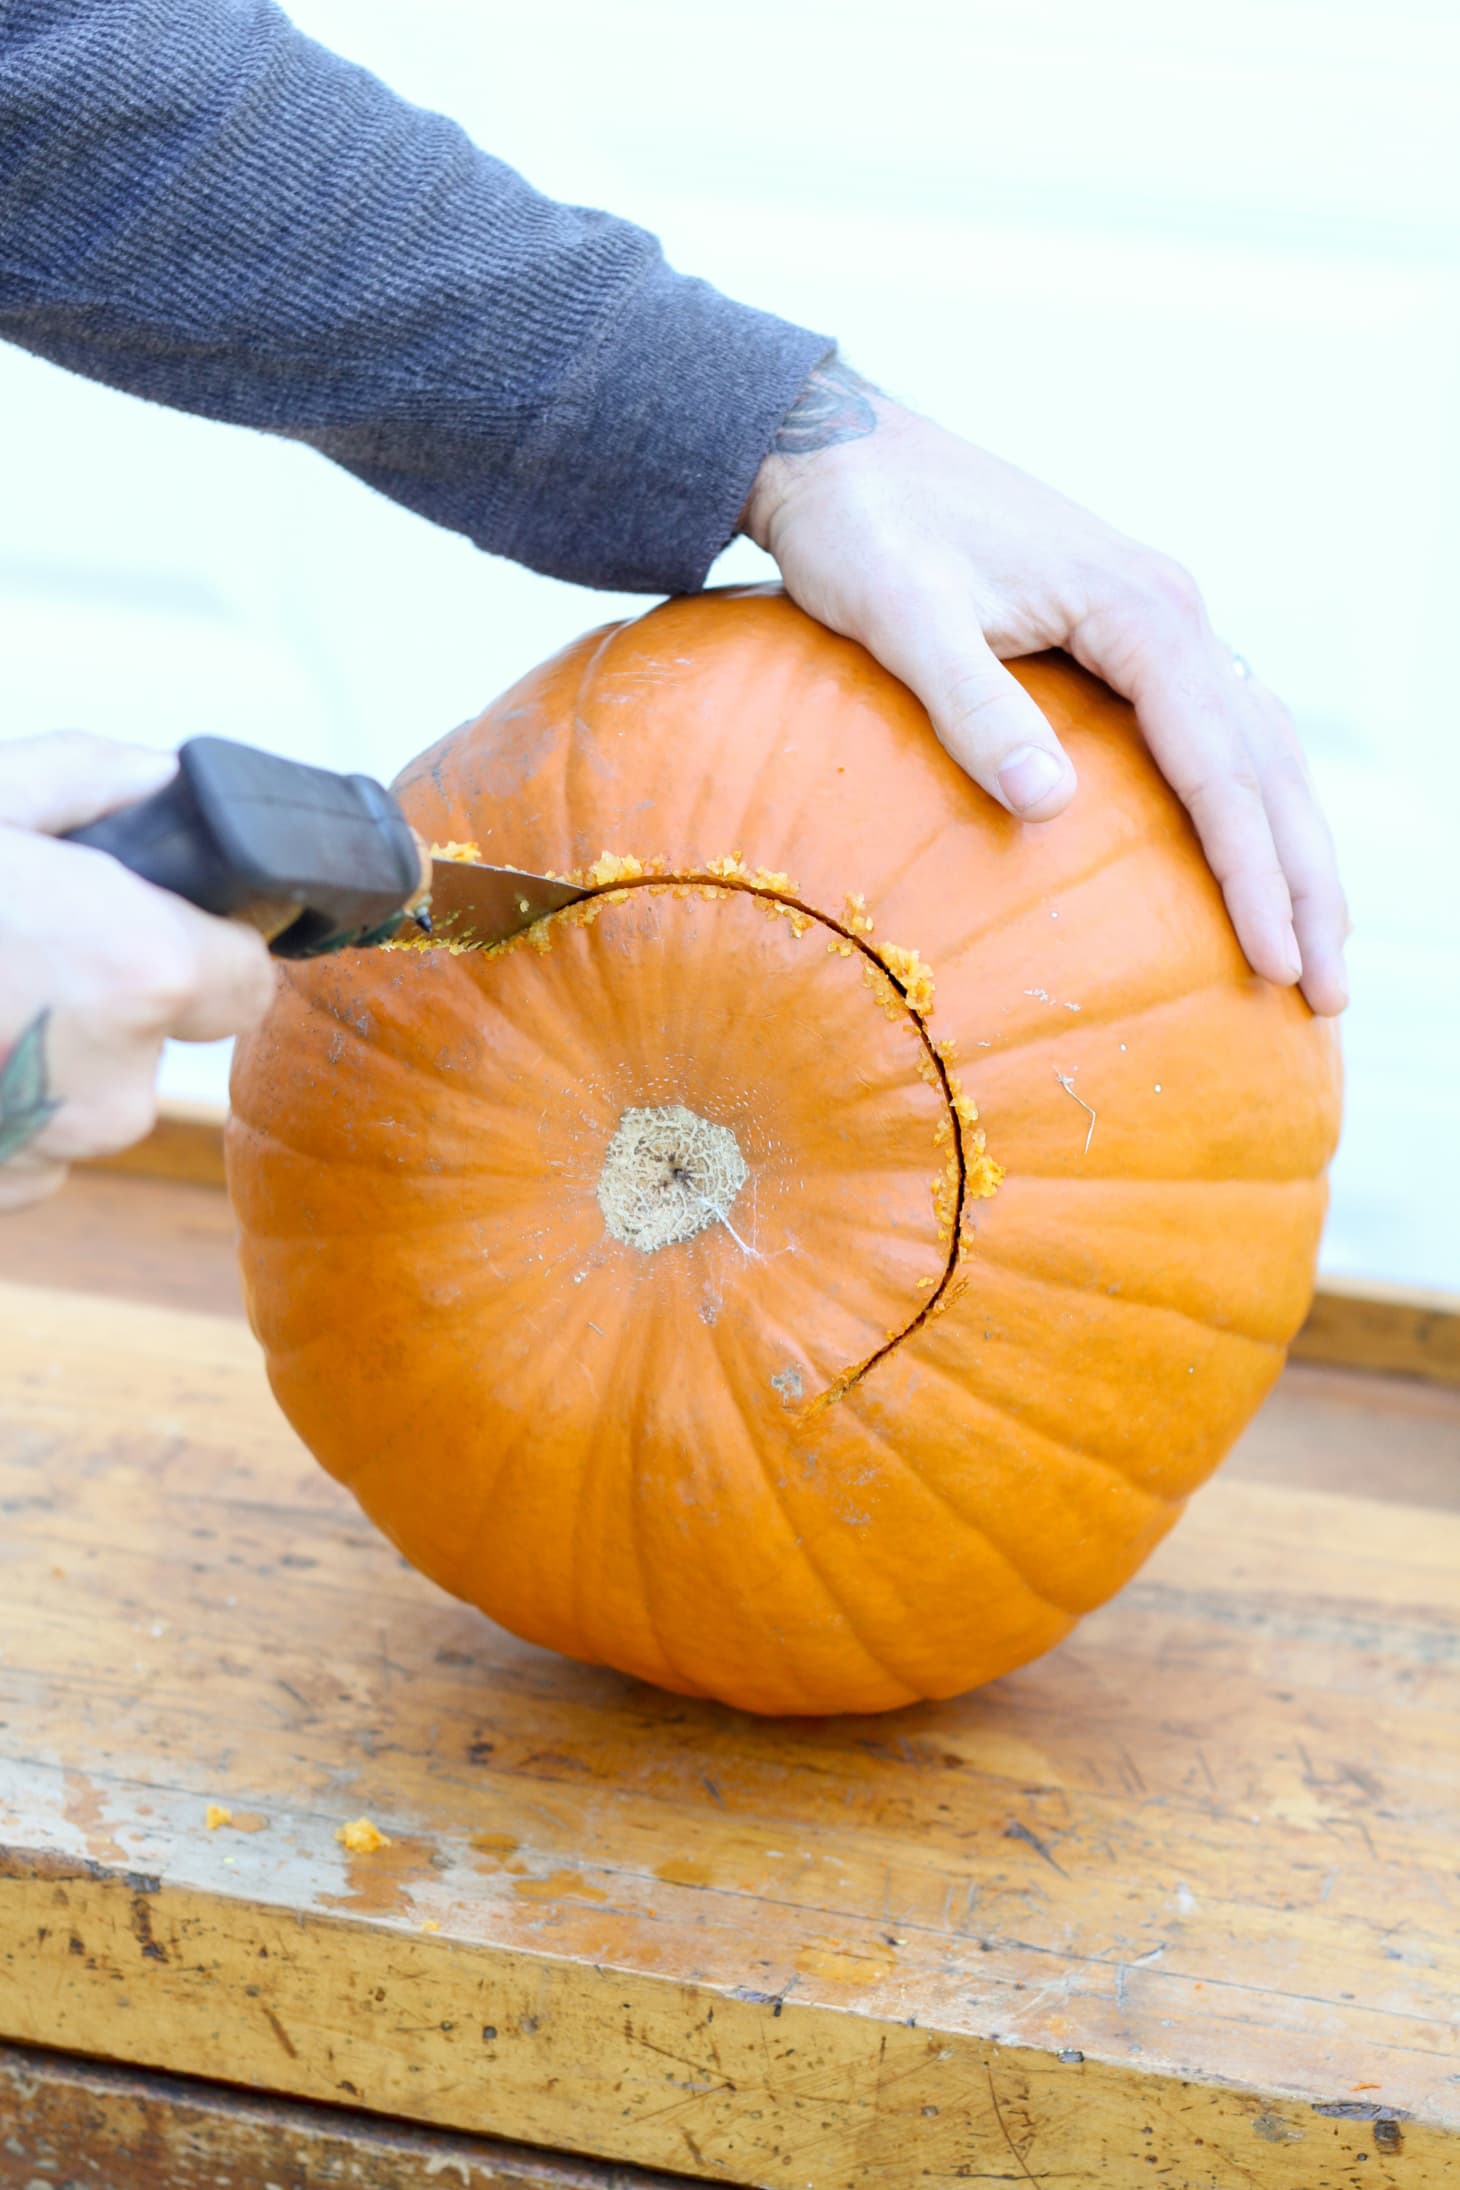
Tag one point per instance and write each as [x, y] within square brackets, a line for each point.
[361, 1837]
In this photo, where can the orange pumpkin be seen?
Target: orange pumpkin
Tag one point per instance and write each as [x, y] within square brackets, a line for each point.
[651, 1282]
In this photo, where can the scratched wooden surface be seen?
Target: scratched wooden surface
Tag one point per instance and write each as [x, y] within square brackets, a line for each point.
[1179, 1902]
[66, 2122]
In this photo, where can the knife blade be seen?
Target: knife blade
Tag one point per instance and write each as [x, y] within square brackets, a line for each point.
[473, 904]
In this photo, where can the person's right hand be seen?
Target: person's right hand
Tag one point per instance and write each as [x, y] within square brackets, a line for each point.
[97, 969]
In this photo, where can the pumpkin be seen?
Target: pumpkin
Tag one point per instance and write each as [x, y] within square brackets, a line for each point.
[814, 1271]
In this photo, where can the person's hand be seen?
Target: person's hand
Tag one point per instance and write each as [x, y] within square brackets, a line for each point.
[944, 562]
[96, 968]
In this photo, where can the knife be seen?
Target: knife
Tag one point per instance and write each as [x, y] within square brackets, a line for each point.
[315, 861]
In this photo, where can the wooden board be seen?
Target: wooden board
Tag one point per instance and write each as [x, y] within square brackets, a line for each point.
[66, 2122]
[1405, 1331]
[185, 1143]
[132, 1238]
[1181, 1902]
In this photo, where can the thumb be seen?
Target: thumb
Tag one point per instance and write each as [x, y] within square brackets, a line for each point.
[983, 716]
[69, 778]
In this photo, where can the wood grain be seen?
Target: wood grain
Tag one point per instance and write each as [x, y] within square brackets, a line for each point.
[186, 1143]
[66, 2121]
[1364, 1325]
[1178, 1902]
[130, 1237]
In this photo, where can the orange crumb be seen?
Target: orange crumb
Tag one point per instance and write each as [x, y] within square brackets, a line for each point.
[907, 968]
[614, 867]
[361, 1837]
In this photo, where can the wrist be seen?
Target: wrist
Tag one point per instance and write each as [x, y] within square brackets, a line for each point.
[767, 491]
[835, 406]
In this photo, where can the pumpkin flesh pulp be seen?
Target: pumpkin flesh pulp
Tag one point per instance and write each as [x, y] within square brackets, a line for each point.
[869, 1434]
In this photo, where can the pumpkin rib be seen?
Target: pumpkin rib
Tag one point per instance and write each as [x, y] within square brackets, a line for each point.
[1104, 1462]
[385, 1316]
[680, 1680]
[686, 1683]
[1116, 1012]
[469, 1540]
[375, 1041]
[976, 1527]
[453, 968]
[1155, 1499]
[334, 1163]
[1130, 1234]
[910, 1691]
[1142, 1305]
[1166, 1178]
[959, 947]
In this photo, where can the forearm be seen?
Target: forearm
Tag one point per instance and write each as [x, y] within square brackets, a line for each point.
[203, 207]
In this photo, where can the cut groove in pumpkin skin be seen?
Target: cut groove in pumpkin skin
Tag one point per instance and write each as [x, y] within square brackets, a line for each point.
[897, 971]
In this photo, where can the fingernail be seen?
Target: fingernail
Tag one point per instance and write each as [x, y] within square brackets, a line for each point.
[1028, 776]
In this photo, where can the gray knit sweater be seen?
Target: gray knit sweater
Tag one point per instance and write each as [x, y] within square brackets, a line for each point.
[202, 206]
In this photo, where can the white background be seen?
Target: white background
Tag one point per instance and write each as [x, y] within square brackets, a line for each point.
[1199, 268]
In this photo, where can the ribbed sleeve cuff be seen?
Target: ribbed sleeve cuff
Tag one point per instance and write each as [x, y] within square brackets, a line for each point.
[635, 476]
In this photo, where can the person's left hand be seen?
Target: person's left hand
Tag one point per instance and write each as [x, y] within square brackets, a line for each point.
[944, 562]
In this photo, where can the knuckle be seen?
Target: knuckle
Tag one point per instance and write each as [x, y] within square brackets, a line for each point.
[102, 1124]
[1260, 880]
[1289, 774]
[1213, 793]
[150, 969]
[1324, 896]
[1170, 586]
[972, 690]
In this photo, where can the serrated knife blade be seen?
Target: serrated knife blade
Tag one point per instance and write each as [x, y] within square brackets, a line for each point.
[475, 905]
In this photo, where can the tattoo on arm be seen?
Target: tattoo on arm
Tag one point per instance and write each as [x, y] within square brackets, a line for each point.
[832, 407]
[26, 1103]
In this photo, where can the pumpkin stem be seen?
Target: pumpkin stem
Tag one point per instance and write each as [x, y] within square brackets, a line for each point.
[667, 1174]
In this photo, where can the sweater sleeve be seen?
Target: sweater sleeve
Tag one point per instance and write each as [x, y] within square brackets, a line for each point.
[202, 206]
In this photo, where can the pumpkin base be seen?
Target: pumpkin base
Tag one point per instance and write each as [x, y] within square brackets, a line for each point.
[668, 1174]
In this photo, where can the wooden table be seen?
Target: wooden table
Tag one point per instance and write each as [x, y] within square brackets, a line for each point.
[1180, 1904]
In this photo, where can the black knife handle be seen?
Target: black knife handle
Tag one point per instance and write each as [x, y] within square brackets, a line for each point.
[314, 860]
